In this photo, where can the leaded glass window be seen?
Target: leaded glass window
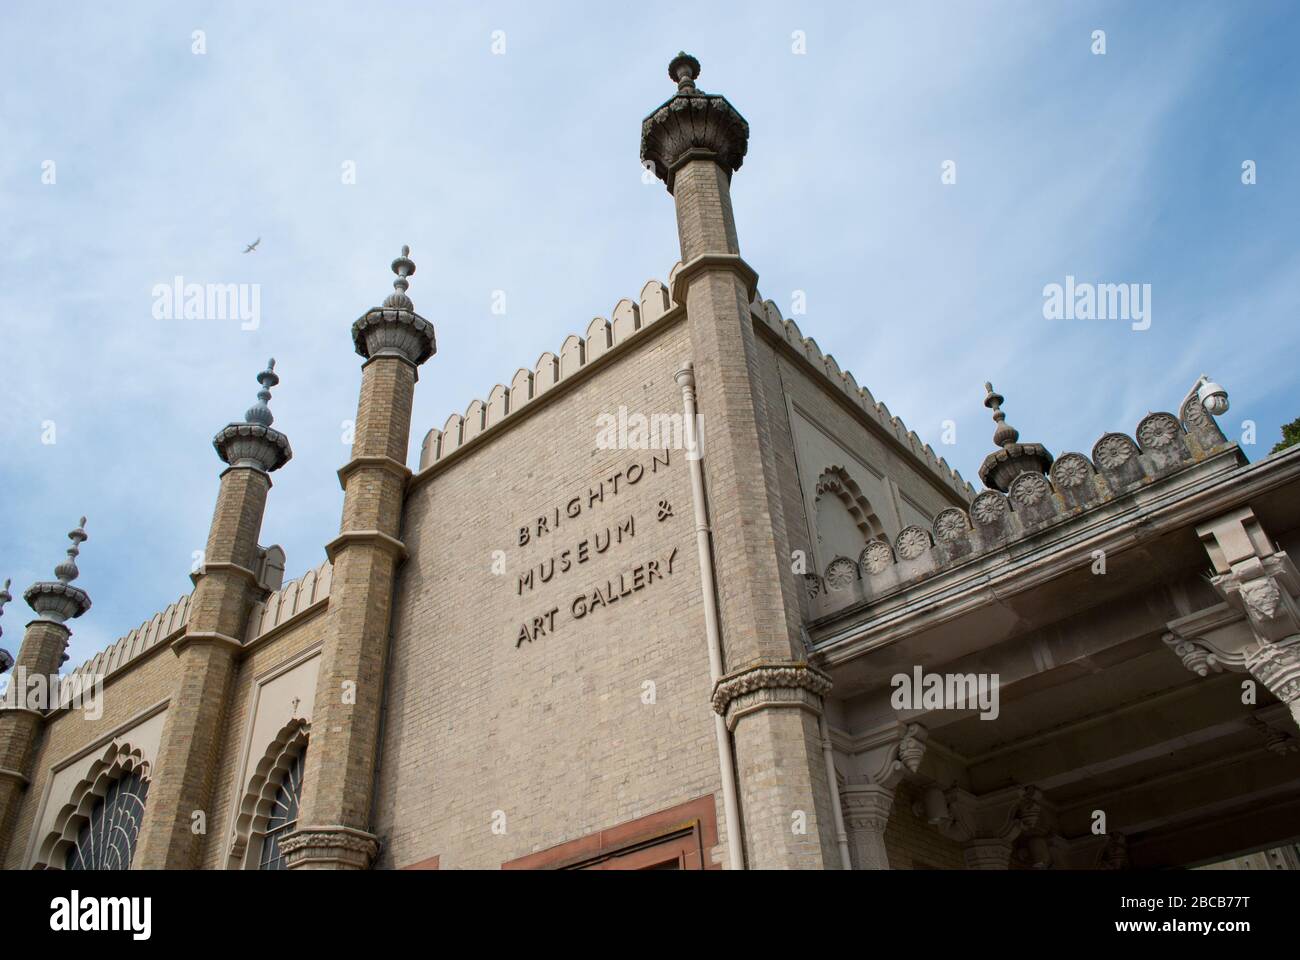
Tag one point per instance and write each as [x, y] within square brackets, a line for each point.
[284, 816]
[107, 841]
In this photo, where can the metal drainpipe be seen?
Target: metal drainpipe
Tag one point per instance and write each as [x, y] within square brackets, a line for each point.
[828, 753]
[730, 795]
[841, 835]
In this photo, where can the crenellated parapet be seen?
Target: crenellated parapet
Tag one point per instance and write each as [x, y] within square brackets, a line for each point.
[629, 320]
[1075, 483]
[767, 313]
[287, 604]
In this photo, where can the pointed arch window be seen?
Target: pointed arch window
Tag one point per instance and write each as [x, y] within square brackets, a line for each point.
[284, 815]
[845, 520]
[107, 840]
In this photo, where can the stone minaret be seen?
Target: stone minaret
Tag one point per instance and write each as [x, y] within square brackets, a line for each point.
[224, 593]
[334, 815]
[695, 142]
[42, 652]
[1012, 458]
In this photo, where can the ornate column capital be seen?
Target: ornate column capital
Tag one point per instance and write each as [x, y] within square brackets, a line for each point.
[692, 125]
[791, 684]
[395, 329]
[997, 818]
[867, 807]
[1277, 667]
[334, 847]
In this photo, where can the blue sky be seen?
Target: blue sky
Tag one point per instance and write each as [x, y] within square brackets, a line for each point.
[519, 172]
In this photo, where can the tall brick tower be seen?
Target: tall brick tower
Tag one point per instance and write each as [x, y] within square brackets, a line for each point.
[334, 817]
[224, 593]
[695, 142]
[41, 654]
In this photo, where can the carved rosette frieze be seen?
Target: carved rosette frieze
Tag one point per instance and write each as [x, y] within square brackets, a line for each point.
[876, 556]
[951, 525]
[841, 574]
[329, 848]
[912, 542]
[1071, 470]
[1158, 430]
[692, 125]
[769, 685]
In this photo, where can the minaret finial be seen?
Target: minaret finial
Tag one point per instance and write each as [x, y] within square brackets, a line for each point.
[394, 329]
[67, 570]
[403, 266]
[5, 597]
[260, 412]
[683, 70]
[692, 125]
[1011, 458]
[253, 442]
[1004, 433]
[6, 658]
[58, 600]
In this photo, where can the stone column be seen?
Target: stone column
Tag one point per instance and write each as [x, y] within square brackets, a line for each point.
[225, 589]
[694, 142]
[866, 814]
[868, 797]
[43, 651]
[987, 853]
[338, 781]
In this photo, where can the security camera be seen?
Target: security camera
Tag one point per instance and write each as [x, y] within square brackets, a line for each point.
[1213, 398]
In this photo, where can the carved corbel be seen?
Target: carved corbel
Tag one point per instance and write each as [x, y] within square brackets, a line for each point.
[869, 802]
[1262, 583]
[988, 827]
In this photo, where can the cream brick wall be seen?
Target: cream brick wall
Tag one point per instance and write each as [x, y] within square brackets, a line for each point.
[236, 751]
[553, 732]
[140, 686]
[127, 694]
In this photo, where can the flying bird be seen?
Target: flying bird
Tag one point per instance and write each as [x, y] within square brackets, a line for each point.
[252, 247]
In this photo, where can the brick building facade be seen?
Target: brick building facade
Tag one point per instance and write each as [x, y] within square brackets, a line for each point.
[646, 606]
